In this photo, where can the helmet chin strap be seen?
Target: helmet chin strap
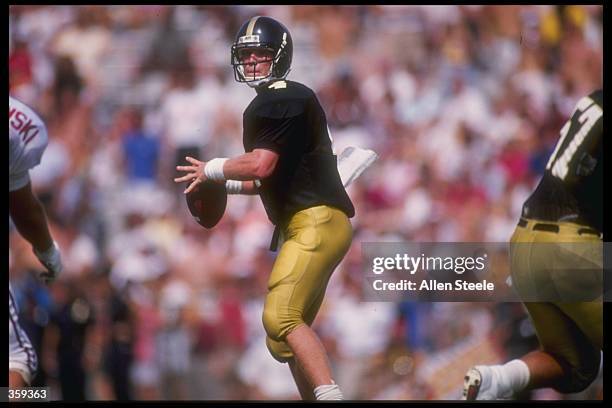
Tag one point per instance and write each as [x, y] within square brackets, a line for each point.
[257, 84]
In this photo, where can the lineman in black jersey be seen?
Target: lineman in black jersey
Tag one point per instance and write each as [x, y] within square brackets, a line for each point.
[557, 267]
[289, 162]
[571, 188]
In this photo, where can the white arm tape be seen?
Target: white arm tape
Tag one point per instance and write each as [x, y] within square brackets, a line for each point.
[214, 169]
[233, 186]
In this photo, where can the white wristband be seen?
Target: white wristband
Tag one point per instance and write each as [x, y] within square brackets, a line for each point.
[48, 253]
[233, 186]
[214, 169]
[52, 260]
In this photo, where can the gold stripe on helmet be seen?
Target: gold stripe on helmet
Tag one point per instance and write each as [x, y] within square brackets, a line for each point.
[251, 25]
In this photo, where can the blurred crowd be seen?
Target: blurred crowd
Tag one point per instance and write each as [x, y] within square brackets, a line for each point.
[463, 104]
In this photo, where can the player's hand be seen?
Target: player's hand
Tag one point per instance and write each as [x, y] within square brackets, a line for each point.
[195, 173]
[52, 260]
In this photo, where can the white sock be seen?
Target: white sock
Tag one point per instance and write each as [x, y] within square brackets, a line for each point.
[509, 378]
[517, 374]
[328, 392]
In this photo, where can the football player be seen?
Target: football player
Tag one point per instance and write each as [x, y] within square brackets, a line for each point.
[559, 231]
[27, 142]
[289, 162]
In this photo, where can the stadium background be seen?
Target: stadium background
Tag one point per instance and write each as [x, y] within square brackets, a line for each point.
[462, 103]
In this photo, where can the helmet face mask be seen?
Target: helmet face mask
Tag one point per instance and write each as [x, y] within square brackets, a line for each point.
[242, 67]
[261, 35]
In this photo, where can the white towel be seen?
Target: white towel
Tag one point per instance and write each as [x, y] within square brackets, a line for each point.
[353, 161]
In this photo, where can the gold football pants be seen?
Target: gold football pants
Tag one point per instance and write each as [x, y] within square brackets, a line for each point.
[545, 261]
[316, 240]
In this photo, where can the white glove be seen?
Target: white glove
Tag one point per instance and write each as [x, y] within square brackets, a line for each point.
[52, 260]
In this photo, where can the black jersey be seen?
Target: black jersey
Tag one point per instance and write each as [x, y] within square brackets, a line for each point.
[287, 118]
[572, 185]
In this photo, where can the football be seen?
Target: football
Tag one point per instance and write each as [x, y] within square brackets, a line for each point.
[207, 203]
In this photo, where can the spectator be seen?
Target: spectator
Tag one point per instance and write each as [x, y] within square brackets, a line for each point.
[141, 150]
[71, 321]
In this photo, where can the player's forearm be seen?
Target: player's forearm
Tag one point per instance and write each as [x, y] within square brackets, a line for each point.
[246, 167]
[31, 222]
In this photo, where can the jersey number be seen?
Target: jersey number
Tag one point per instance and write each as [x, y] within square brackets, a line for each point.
[559, 163]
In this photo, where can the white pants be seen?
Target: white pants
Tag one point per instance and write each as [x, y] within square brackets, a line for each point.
[22, 357]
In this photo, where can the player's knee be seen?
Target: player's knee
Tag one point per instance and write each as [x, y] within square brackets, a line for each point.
[270, 322]
[279, 324]
[25, 371]
[580, 376]
[279, 350]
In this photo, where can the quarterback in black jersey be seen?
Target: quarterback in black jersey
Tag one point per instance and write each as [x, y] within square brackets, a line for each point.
[556, 255]
[289, 162]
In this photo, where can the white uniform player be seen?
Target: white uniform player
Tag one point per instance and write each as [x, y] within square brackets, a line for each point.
[27, 142]
[22, 357]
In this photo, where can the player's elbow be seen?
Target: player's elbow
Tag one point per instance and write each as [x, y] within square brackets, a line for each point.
[263, 171]
[264, 166]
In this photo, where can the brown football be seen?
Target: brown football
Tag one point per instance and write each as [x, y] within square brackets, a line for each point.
[207, 203]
